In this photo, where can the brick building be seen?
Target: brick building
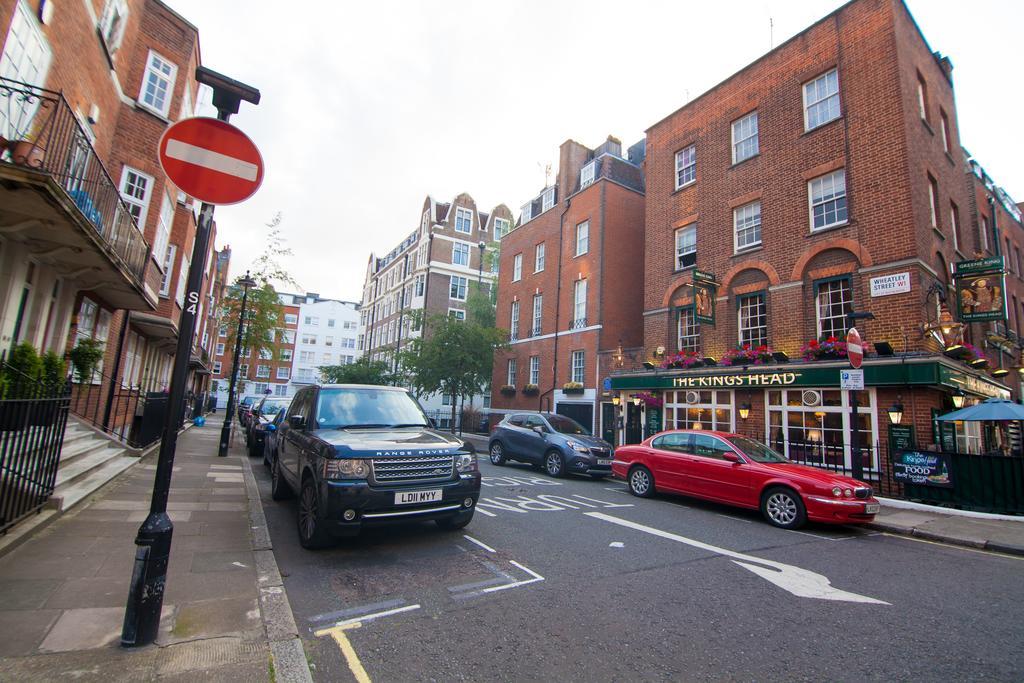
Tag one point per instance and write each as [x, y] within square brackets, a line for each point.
[824, 178]
[570, 286]
[431, 271]
[94, 240]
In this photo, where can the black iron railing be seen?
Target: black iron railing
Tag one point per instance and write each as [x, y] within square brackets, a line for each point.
[131, 413]
[43, 133]
[33, 415]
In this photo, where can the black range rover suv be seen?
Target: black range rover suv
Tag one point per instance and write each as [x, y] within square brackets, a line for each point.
[359, 455]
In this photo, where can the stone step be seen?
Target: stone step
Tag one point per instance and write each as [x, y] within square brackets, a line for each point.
[67, 495]
[80, 448]
[79, 467]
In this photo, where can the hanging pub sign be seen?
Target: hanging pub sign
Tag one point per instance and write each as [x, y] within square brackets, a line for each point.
[924, 469]
[705, 291]
[981, 290]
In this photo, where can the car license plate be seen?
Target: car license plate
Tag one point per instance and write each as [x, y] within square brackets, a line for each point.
[412, 497]
[871, 509]
[604, 461]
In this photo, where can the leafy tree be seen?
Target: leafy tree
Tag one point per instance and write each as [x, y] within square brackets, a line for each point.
[363, 371]
[263, 315]
[454, 357]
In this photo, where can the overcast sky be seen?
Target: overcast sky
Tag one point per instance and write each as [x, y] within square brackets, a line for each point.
[369, 107]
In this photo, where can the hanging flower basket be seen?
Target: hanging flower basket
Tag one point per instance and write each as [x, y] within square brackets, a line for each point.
[572, 388]
[683, 360]
[508, 390]
[748, 355]
[650, 400]
[830, 348]
[530, 390]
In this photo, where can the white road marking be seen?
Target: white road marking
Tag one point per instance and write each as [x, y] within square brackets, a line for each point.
[480, 543]
[485, 512]
[800, 582]
[616, 544]
[366, 617]
[215, 161]
[505, 586]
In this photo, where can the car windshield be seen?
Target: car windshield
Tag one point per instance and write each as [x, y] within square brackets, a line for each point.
[566, 425]
[272, 408]
[351, 408]
[755, 450]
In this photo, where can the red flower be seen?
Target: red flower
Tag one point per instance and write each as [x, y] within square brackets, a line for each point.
[813, 344]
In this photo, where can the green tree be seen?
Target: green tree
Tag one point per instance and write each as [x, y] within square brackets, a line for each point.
[454, 357]
[262, 314]
[363, 371]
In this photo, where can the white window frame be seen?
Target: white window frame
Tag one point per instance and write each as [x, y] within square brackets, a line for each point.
[510, 372]
[579, 301]
[129, 193]
[547, 199]
[687, 331]
[168, 267]
[217, 366]
[461, 218]
[153, 72]
[513, 334]
[538, 315]
[460, 254]
[291, 319]
[220, 349]
[179, 295]
[262, 372]
[284, 354]
[944, 125]
[21, 61]
[933, 200]
[740, 213]
[821, 94]
[112, 23]
[582, 238]
[501, 227]
[752, 309]
[457, 313]
[163, 227]
[538, 257]
[517, 268]
[845, 303]
[587, 174]
[686, 166]
[816, 197]
[461, 288]
[526, 213]
[745, 129]
[685, 245]
[534, 370]
[579, 366]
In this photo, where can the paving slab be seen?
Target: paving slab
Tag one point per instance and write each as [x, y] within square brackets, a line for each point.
[20, 594]
[59, 567]
[223, 561]
[105, 591]
[89, 628]
[207, 618]
[23, 630]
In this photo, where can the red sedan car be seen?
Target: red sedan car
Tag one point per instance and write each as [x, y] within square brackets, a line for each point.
[734, 469]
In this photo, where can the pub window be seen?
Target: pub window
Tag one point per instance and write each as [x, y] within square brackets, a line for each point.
[747, 226]
[688, 331]
[695, 409]
[810, 426]
[833, 301]
[686, 166]
[752, 320]
[686, 247]
[828, 200]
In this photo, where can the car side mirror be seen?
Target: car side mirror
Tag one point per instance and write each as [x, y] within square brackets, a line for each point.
[297, 421]
[732, 457]
[271, 428]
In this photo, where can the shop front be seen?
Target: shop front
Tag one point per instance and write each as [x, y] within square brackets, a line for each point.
[802, 411]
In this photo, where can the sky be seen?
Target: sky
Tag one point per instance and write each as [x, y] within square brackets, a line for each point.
[368, 107]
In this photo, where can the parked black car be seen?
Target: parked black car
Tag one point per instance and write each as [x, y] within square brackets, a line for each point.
[362, 455]
[554, 442]
[260, 415]
[272, 431]
[243, 408]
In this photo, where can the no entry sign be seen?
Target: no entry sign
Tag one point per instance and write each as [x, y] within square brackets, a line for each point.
[854, 349]
[211, 160]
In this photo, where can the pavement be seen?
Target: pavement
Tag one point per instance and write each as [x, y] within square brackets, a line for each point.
[997, 533]
[225, 614]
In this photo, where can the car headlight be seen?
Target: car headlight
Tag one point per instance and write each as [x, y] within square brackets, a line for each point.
[346, 468]
[465, 462]
[837, 492]
[577, 446]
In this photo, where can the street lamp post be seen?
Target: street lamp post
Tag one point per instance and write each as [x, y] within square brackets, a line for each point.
[225, 431]
[856, 462]
[153, 540]
[480, 272]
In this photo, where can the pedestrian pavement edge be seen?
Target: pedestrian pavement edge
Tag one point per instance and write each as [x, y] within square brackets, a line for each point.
[290, 664]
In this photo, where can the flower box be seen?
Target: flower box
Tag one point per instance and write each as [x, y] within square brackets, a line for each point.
[572, 388]
[830, 348]
[530, 390]
[508, 390]
[683, 360]
[748, 355]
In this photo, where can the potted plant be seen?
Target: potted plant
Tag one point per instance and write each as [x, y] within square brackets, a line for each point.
[683, 360]
[572, 388]
[55, 371]
[22, 371]
[85, 356]
[748, 355]
[26, 152]
[507, 390]
[530, 390]
[651, 400]
[829, 348]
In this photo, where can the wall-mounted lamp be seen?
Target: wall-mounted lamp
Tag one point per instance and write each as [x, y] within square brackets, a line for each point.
[616, 400]
[896, 411]
[958, 398]
[745, 410]
[636, 400]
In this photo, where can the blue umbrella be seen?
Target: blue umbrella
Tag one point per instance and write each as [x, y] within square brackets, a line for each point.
[989, 409]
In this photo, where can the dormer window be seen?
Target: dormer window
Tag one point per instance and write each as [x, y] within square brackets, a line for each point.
[463, 220]
[527, 213]
[547, 199]
[587, 174]
[112, 24]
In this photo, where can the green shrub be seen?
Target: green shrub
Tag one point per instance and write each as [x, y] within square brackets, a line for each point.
[55, 370]
[85, 356]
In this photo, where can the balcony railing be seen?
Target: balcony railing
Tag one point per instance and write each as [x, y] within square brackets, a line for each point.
[44, 134]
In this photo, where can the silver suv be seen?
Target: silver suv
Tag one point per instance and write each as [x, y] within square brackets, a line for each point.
[554, 442]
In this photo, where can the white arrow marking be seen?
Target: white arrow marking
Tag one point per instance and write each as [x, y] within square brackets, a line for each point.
[215, 161]
[802, 583]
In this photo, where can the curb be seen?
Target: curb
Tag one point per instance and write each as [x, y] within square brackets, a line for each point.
[290, 664]
[914, 532]
[953, 512]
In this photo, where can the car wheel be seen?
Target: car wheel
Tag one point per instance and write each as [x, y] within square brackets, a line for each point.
[450, 523]
[497, 454]
[312, 534]
[554, 464]
[641, 482]
[279, 489]
[783, 508]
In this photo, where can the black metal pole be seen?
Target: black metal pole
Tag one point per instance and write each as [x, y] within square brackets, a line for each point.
[225, 431]
[153, 541]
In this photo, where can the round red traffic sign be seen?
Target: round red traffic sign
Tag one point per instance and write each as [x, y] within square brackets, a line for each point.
[211, 160]
[854, 349]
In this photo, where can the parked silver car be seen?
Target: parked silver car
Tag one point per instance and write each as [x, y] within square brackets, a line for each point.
[556, 443]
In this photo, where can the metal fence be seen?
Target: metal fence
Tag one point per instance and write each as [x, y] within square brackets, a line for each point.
[45, 135]
[134, 415]
[33, 415]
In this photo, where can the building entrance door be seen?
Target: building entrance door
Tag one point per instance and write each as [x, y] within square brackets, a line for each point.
[608, 423]
[634, 423]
